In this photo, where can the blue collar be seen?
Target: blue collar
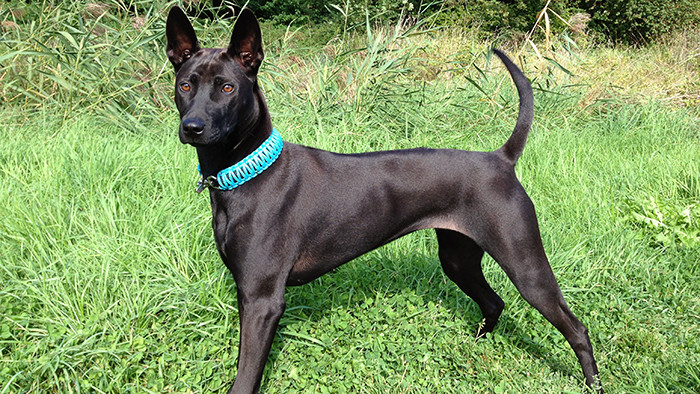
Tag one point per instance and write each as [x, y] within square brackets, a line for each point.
[248, 168]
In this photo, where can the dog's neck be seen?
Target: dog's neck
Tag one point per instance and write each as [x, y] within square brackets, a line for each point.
[252, 132]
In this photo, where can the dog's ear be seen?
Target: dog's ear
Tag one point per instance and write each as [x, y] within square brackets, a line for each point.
[182, 41]
[246, 43]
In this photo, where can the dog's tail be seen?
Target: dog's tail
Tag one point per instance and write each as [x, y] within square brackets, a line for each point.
[513, 148]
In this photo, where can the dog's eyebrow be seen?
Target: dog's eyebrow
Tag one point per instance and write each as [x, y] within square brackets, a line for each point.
[193, 76]
[221, 79]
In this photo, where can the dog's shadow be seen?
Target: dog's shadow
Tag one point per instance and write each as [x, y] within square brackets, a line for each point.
[351, 286]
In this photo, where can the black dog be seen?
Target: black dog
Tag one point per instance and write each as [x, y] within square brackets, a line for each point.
[285, 214]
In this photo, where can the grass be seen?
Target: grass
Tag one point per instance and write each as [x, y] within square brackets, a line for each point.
[110, 281]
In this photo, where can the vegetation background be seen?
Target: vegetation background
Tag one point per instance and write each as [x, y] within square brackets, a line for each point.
[109, 279]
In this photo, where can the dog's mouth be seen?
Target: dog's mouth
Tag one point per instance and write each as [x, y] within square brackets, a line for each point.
[209, 137]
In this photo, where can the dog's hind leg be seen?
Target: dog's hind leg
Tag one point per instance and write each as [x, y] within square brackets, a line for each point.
[519, 251]
[461, 257]
[538, 286]
[536, 283]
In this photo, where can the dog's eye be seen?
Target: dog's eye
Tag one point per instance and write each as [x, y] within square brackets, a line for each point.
[228, 88]
[185, 87]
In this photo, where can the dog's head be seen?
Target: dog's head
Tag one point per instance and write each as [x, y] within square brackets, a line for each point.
[215, 89]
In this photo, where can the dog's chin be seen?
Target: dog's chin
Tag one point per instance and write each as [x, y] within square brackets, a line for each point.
[189, 141]
[198, 141]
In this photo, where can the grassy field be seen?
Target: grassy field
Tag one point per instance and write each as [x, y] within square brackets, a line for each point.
[110, 282]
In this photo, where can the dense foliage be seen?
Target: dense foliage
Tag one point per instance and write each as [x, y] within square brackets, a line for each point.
[629, 21]
[626, 21]
[638, 21]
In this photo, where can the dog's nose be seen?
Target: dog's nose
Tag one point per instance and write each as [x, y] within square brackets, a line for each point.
[193, 126]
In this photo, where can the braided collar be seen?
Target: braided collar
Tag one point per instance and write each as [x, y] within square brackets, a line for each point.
[248, 168]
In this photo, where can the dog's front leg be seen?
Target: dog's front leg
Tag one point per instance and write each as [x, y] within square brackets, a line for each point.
[260, 308]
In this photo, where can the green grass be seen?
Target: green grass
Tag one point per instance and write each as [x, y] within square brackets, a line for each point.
[110, 281]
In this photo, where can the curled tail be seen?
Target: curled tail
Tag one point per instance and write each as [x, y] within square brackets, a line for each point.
[513, 148]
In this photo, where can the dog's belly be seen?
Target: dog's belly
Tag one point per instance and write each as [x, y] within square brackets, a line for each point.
[319, 259]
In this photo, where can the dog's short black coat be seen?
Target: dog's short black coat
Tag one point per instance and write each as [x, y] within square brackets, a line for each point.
[313, 210]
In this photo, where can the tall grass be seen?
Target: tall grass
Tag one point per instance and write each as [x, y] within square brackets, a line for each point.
[110, 282]
[75, 62]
